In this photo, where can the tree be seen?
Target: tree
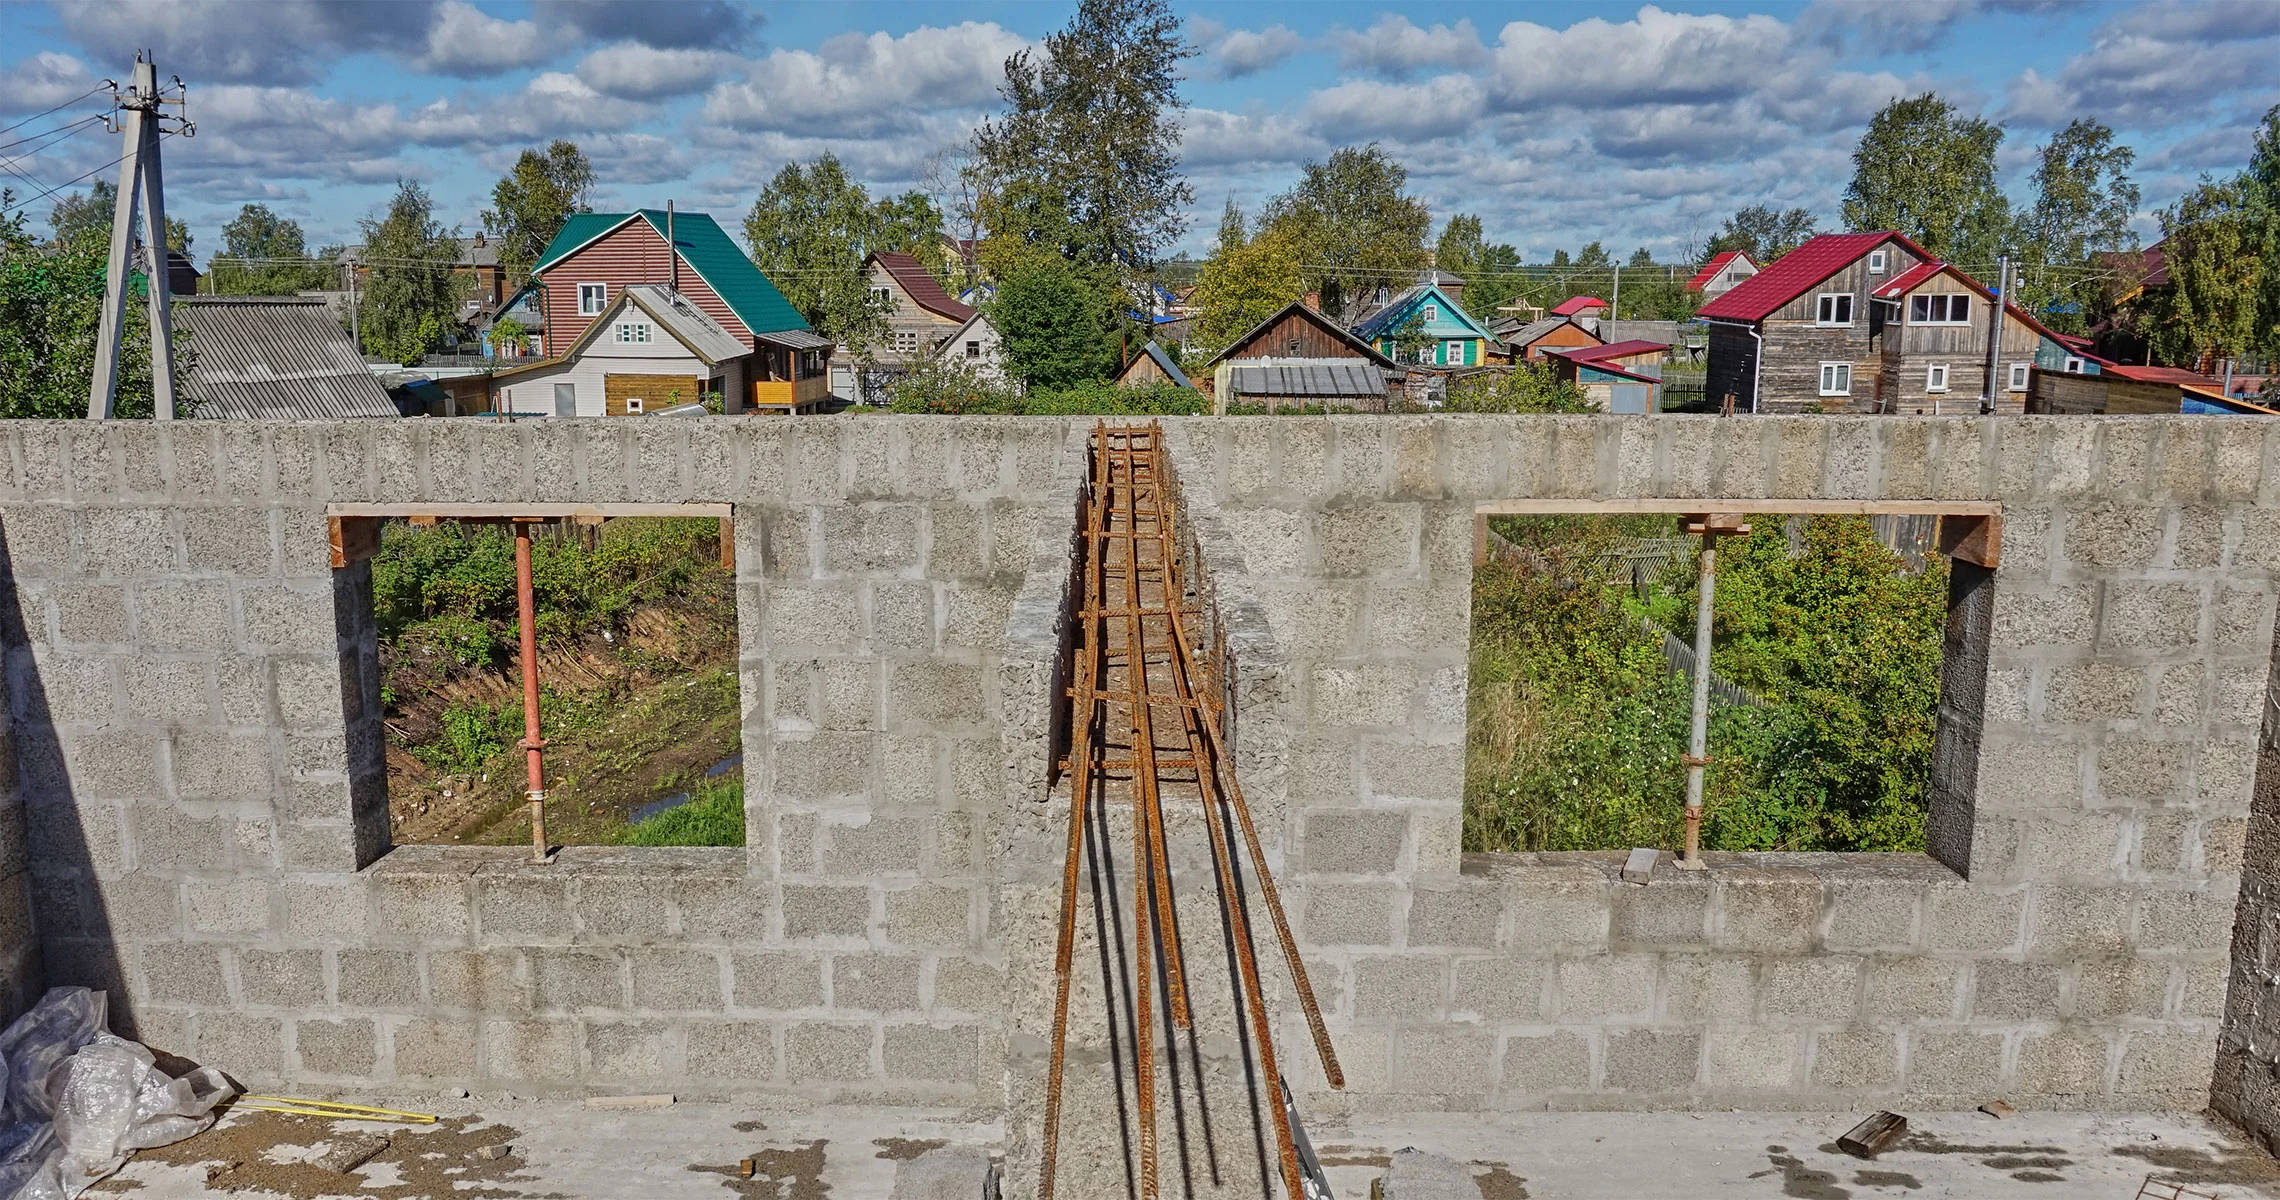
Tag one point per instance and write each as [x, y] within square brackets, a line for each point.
[1094, 126]
[1491, 270]
[1593, 257]
[2261, 184]
[76, 214]
[1243, 284]
[1761, 232]
[1233, 231]
[1054, 316]
[531, 202]
[2083, 204]
[51, 305]
[1354, 226]
[408, 303]
[810, 231]
[2211, 240]
[1928, 171]
[264, 254]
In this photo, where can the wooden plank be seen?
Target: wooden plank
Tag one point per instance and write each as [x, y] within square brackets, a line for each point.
[354, 539]
[1874, 1136]
[1972, 539]
[655, 391]
[466, 511]
[1682, 505]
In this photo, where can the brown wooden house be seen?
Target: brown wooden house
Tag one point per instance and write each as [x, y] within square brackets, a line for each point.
[1298, 357]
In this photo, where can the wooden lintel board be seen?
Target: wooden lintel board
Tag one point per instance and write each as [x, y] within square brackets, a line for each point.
[1743, 504]
[1972, 539]
[539, 511]
[353, 539]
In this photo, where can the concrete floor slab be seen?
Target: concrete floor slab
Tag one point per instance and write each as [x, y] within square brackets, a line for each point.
[561, 1149]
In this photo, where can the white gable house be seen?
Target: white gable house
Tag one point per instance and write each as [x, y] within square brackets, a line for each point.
[651, 350]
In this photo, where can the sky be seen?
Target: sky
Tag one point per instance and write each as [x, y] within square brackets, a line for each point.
[1557, 124]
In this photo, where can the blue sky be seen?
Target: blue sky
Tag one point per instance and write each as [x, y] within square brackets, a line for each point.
[1557, 124]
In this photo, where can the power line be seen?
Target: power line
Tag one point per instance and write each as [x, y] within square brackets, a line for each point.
[66, 130]
[58, 108]
[19, 207]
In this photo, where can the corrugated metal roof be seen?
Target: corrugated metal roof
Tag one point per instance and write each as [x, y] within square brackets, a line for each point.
[1710, 269]
[275, 358]
[1575, 304]
[707, 250]
[683, 319]
[922, 288]
[795, 339]
[1307, 377]
[1534, 331]
[1793, 274]
[1610, 350]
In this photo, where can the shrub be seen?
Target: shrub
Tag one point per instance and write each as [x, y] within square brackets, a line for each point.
[713, 816]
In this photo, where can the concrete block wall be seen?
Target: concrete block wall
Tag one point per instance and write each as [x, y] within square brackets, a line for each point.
[2079, 959]
[194, 698]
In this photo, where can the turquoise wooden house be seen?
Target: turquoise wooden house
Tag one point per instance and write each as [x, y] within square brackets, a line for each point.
[1456, 339]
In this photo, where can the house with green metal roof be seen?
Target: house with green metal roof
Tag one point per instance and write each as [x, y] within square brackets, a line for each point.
[597, 256]
[1439, 332]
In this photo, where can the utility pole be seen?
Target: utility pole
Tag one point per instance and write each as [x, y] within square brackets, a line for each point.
[136, 112]
[1995, 330]
[353, 335]
[1615, 302]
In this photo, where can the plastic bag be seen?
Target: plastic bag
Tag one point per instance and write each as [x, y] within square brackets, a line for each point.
[80, 1099]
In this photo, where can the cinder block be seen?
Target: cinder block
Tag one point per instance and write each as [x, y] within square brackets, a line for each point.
[238, 906]
[1848, 1059]
[1353, 841]
[2015, 989]
[622, 906]
[1620, 985]
[578, 979]
[1347, 914]
[627, 1049]
[1768, 912]
[2106, 988]
[2077, 921]
[885, 845]
[1408, 987]
[1816, 989]
[345, 1047]
[2139, 769]
[325, 911]
[1558, 1061]
[778, 982]
[932, 693]
[247, 1048]
[675, 980]
[1645, 1060]
[1375, 693]
[1372, 539]
[128, 542]
[533, 1051]
[233, 541]
[1744, 1059]
[481, 981]
[1671, 912]
[513, 908]
[387, 979]
[163, 689]
[2152, 617]
[188, 973]
[816, 1052]
[1509, 987]
[1444, 1060]
[2096, 692]
[1699, 987]
[874, 983]
[1870, 915]
[743, 1051]
[426, 907]
[282, 978]
[723, 910]
[435, 1048]
[1466, 915]
[870, 539]
[2056, 616]
[1910, 986]
[1954, 1062]
[1968, 918]
[821, 766]
[927, 915]
[2109, 535]
[1560, 915]
[2063, 1062]
[940, 1054]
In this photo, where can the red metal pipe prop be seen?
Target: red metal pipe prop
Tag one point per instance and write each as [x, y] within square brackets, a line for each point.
[533, 745]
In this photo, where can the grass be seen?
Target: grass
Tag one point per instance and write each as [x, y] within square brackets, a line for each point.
[714, 816]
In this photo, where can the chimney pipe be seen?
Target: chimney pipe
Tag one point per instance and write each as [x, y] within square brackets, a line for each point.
[672, 253]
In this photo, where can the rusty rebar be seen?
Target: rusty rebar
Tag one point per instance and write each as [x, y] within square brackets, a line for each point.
[533, 745]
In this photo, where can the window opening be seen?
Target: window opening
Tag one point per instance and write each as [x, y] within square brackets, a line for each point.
[1431, 312]
[2018, 380]
[633, 333]
[1935, 377]
[1834, 308]
[2073, 366]
[1879, 261]
[1836, 379]
[633, 619]
[973, 349]
[1939, 310]
[591, 298]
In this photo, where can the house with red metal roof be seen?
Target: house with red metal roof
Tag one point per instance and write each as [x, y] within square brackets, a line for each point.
[921, 318]
[1581, 306]
[1869, 322]
[1723, 273]
[1620, 377]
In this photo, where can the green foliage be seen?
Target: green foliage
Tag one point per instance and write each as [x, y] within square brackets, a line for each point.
[51, 305]
[2212, 237]
[2083, 204]
[79, 214]
[1525, 388]
[1086, 161]
[534, 199]
[1353, 225]
[1577, 725]
[1491, 271]
[1242, 284]
[1054, 317]
[713, 816]
[264, 254]
[473, 734]
[811, 230]
[409, 300]
[1925, 169]
[1761, 232]
[506, 331]
[954, 389]
[451, 588]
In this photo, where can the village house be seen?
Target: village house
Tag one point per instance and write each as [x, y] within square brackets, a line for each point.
[921, 318]
[2114, 389]
[1440, 332]
[1152, 365]
[1624, 378]
[477, 262]
[1582, 306]
[1722, 274]
[976, 345]
[1869, 322]
[1528, 341]
[1299, 358]
[582, 279]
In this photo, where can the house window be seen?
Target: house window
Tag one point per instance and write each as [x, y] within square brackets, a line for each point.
[973, 349]
[880, 297]
[906, 341]
[1935, 378]
[2073, 366]
[591, 297]
[633, 333]
[1431, 312]
[1879, 261]
[1834, 308]
[1939, 310]
[566, 400]
[1455, 356]
[633, 404]
[1836, 379]
[2018, 381]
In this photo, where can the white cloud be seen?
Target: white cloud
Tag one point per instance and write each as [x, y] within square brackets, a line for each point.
[647, 73]
[41, 82]
[1363, 109]
[244, 41]
[864, 83]
[465, 40]
[1250, 51]
[667, 24]
[1211, 138]
[1394, 48]
[1905, 26]
[1656, 56]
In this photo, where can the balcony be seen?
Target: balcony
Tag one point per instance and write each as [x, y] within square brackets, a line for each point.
[790, 395]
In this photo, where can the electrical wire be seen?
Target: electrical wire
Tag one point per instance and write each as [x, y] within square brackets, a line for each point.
[24, 204]
[58, 108]
[10, 148]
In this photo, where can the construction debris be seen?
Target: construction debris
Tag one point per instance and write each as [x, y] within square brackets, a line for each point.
[655, 1101]
[501, 1150]
[1999, 1109]
[1873, 1136]
[350, 1151]
[327, 1108]
[1640, 867]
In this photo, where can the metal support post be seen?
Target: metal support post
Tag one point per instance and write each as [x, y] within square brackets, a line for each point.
[533, 745]
[1711, 526]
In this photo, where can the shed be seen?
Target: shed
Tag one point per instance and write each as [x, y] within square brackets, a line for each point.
[1529, 342]
[1581, 306]
[275, 358]
[1152, 365]
[1307, 382]
[1297, 333]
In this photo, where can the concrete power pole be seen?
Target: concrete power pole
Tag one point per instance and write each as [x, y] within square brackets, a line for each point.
[139, 188]
[1995, 331]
